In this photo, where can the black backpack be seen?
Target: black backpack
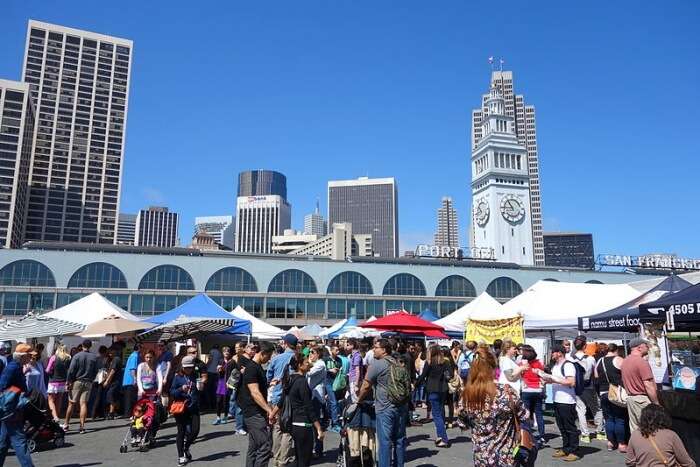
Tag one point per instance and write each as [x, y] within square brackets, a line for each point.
[286, 415]
[580, 377]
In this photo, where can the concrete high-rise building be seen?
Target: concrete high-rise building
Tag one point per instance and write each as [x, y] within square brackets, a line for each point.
[258, 219]
[16, 137]
[371, 206]
[500, 187]
[80, 89]
[222, 228]
[315, 224]
[526, 132]
[262, 183]
[156, 226]
[447, 228]
[569, 249]
[339, 244]
[126, 229]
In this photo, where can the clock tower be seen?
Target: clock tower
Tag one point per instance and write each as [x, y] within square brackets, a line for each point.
[501, 216]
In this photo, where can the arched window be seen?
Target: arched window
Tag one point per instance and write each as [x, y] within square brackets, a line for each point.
[98, 276]
[593, 281]
[232, 279]
[292, 281]
[549, 279]
[455, 286]
[27, 273]
[167, 277]
[504, 287]
[404, 284]
[350, 282]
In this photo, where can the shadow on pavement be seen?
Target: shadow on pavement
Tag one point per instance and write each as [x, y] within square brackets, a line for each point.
[217, 456]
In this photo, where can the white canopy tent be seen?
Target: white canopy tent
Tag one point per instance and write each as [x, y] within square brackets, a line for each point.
[548, 305]
[260, 329]
[90, 309]
[483, 307]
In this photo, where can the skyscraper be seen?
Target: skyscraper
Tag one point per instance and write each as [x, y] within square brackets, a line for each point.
[126, 229]
[447, 228]
[156, 226]
[371, 206]
[16, 132]
[262, 210]
[80, 89]
[222, 228]
[525, 130]
[315, 224]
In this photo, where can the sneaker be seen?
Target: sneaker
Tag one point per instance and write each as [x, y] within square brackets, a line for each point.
[570, 458]
[558, 453]
[82, 430]
[64, 427]
[442, 444]
[217, 421]
[601, 437]
[241, 432]
[188, 455]
[181, 461]
[585, 439]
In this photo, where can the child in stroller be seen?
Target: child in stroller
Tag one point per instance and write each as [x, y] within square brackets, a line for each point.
[40, 426]
[143, 426]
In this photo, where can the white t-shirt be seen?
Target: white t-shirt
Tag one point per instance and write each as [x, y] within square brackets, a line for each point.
[564, 394]
[504, 364]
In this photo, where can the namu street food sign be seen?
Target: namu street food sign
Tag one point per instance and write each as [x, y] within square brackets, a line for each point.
[649, 262]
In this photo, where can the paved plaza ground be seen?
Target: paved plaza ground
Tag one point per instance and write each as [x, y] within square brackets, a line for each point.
[218, 446]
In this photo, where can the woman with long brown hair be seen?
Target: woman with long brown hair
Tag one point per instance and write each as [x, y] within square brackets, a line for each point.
[491, 409]
[436, 374]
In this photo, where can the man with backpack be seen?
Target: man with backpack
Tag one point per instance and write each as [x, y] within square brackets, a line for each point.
[464, 361]
[12, 431]
[587, 396]
[392, 393]
[563, 379]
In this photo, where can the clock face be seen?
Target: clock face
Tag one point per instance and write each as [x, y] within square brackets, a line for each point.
[481, 212]
[511, 209]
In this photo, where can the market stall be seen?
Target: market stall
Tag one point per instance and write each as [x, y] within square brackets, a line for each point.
[89, 309]
[405, 323]
[34, 326]
[259, 328]
[455, 322]
[680, 312]
[201, 306]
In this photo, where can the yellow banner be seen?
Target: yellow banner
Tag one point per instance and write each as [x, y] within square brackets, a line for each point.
[489, 330]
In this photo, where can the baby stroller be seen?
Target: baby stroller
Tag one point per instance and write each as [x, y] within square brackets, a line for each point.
[39, 425]
[357, 440]
[145, 421]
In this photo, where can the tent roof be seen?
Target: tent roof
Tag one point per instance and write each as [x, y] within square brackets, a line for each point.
[686, 317]
[349, 324]
[260, 329]
[312, 330]
[201, 306]
[428, 315]
[335, 327]
[556, 305]
[89, 309]
[482, 307]
[34, 326]
[626, 317]
[402, 322]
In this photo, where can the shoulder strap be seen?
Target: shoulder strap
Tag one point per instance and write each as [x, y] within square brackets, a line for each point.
[662, 458]
[605, 369]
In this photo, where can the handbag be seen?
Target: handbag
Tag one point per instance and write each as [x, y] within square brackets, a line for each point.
[523, 437]
[454, 384]
[617, 395]
[178, 407]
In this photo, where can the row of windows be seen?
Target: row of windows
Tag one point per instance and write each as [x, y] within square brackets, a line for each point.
[29, 273]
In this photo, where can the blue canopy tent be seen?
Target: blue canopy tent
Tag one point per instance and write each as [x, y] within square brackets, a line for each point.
[201, 306]
[350, 323]
[428, 315]
[625, 318]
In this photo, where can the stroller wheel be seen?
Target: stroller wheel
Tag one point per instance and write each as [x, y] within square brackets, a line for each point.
[123, 449]
[59, 441]
[31, 445]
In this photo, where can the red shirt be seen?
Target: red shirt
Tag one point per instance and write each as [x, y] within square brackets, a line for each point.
[530, 379]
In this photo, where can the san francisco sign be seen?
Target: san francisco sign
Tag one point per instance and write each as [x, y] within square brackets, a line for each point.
[649, 262]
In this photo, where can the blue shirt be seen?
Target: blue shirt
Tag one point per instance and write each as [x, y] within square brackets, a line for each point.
[12, 375]
[131, 364]
[275, 371]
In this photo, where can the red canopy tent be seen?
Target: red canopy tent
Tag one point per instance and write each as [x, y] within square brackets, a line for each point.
[406, 323]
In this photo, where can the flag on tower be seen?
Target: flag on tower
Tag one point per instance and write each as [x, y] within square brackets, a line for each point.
[491, 59]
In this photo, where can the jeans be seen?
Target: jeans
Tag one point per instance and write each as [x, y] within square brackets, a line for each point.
[565, 415]
[534, 403]
[616, 422]
[437, 407]
[12, 432]
[234, 410]
[332, 404]
[391, 436]
[129, 392]
[589, 399]
[259, 442]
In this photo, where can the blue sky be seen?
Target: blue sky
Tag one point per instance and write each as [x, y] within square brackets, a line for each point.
[324, 90]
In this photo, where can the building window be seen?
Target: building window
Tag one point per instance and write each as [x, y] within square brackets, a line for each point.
[504, 287]
[20, 303]
[455, 286]
[167, 277]
[232, 279]
[98, 276]
[27, 273]
[292, 281]
[404, 284]
[350, 282]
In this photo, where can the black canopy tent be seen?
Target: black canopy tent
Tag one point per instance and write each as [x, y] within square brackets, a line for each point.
[625, 318]
[680, 311]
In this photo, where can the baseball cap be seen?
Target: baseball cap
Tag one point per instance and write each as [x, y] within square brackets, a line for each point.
[23, 348]
[188, 362]
[637, 341]
[290, 339]
[558, 348]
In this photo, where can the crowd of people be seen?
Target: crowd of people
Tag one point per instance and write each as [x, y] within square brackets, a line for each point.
[284, 397]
